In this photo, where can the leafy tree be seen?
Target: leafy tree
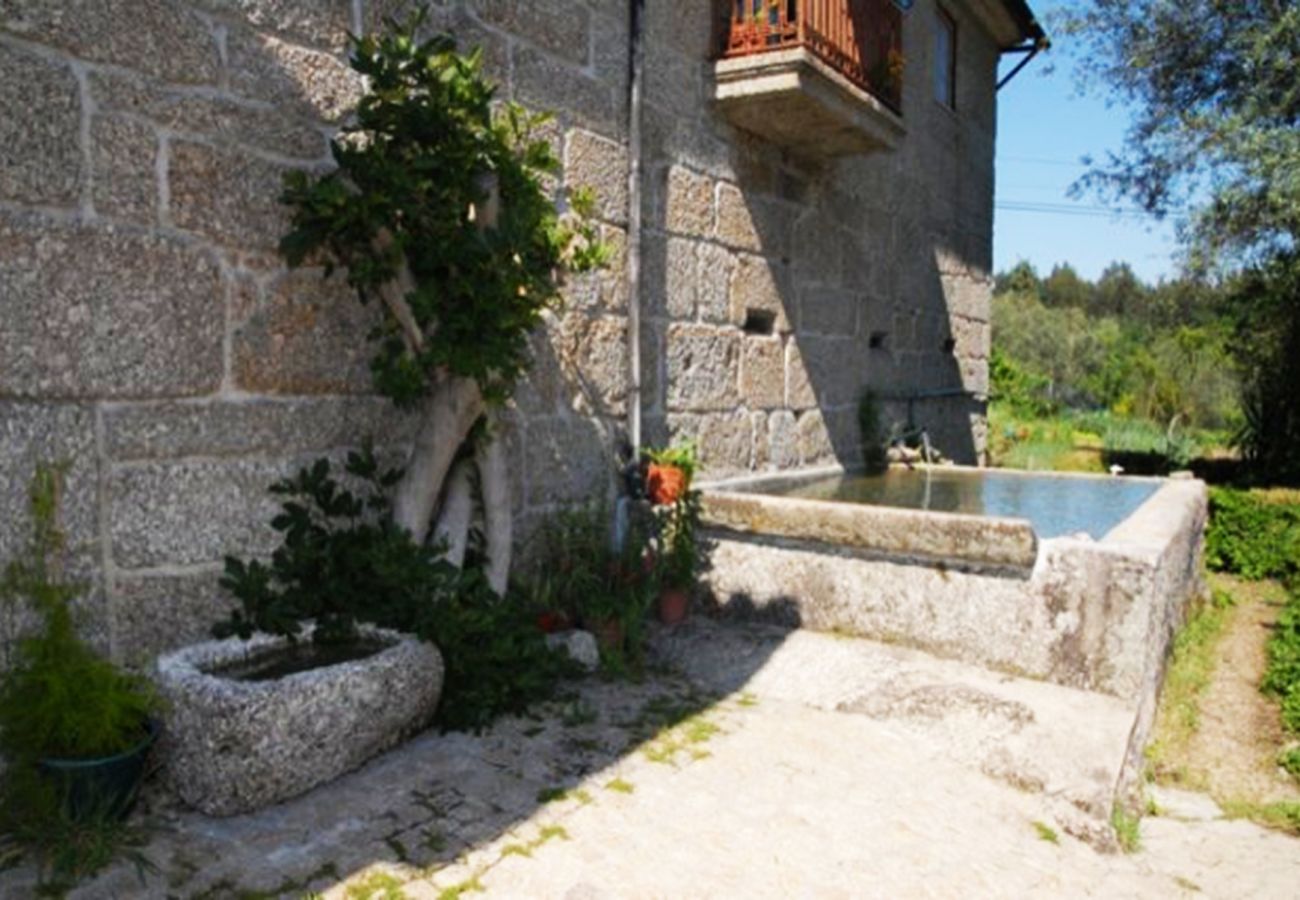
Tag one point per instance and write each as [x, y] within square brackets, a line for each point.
[1065, 288]
[1118, 291]
[437, 210]
[1268, 350]
[1217, 106]
[1216, 142]
[1022, 279]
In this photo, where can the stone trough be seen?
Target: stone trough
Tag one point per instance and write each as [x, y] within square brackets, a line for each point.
[234, 745]
[1096, 614]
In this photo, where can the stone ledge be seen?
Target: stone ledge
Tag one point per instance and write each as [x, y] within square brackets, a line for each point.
[795, 100]
[978, 541]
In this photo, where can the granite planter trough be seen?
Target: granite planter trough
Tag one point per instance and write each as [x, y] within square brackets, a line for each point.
[237, 740]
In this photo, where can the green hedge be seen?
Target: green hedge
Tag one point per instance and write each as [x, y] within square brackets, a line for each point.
[1252, 537]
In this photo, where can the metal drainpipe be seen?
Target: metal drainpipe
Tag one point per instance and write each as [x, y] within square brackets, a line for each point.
[636, 65]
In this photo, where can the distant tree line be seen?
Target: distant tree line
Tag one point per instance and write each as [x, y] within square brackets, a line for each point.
[1163, 352]
[1215, 145]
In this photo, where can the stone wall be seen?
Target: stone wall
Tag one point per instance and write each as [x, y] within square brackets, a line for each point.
[152, 337]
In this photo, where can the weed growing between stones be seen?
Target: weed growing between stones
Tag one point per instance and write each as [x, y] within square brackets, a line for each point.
[1046, 832]
[1284, 816]
[376, 886]
[1127, 827]
[468, 886]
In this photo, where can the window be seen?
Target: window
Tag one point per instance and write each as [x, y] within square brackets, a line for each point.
[945, 59]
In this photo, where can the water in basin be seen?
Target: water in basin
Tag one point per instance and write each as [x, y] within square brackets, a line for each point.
[1054, 505]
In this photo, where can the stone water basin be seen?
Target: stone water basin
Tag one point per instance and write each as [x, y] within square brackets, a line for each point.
[1054, 586]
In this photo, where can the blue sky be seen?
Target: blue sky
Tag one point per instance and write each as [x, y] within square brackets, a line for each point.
[1044, 129]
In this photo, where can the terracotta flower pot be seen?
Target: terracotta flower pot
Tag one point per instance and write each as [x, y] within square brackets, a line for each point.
[672, 605]
[665, 484]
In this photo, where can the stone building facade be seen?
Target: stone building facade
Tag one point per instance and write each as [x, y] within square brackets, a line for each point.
[152, 338]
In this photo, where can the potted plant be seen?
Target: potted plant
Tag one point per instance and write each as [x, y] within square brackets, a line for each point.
[677, 509]
[601, 586]
[678, 559]
[76, 730]
[318, 669]
[669, 472]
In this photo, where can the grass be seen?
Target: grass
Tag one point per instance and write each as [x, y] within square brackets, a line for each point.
[619, 786]
[1284, 816]
[1080, 441]
[377, 886]
[468, 886]
[1046, 832]
[1127, 827]
[1189, 674]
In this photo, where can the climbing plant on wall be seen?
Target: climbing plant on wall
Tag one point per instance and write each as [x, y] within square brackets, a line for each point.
[439, 213]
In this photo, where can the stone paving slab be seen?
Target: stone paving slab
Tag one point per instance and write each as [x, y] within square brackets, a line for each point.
[800, 802]
[764, 773]
[1037, 736]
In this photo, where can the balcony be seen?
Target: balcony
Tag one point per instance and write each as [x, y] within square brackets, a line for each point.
[818, 77]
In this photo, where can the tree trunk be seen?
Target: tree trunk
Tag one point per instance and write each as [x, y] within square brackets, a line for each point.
[451, 410]
[498, 521]
[452, 527]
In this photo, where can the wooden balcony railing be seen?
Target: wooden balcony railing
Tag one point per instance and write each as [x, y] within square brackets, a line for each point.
[860, 39]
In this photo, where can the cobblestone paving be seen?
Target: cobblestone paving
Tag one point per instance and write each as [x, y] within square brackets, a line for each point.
[741, 780]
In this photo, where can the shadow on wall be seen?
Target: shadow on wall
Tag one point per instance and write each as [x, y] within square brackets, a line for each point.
[158, 343]
[153, 337]
[807, 294]
[779, 290]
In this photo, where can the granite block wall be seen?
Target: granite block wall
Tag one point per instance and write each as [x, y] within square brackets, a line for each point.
[152, 337]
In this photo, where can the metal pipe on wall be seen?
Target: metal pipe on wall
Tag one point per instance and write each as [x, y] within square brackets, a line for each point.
[636, 67]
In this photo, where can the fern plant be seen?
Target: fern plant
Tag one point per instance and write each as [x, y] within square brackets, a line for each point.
[61, 699]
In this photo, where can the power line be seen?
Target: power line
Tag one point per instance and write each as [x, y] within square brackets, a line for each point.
[1076, 210]
[1044, 161]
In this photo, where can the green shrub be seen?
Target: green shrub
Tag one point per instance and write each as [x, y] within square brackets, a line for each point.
[61, 699]
[497, 660]
[1290, 761]
[342, 562]
[1250, 537]
[1282, 677]
[591, 580]
[1022, 391]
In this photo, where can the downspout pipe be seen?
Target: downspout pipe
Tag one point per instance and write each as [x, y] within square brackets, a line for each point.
[635, 81]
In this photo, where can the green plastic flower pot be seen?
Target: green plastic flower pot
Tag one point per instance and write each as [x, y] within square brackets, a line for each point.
[103, 787]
